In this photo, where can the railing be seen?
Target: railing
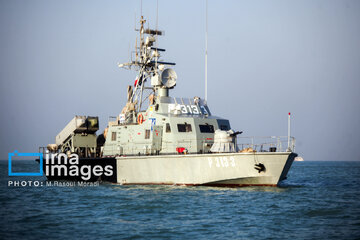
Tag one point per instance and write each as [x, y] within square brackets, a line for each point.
[267, 144]
[258, 144]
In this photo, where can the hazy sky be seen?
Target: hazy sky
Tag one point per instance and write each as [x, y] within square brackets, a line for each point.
[266, 58]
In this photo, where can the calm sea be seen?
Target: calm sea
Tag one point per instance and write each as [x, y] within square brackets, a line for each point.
[320, 200]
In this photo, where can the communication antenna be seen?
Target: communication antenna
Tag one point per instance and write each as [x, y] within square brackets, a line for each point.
[289, 134]
[206, 49]
[129, 52]
[156, 35]
[140, 7]
[157, 14]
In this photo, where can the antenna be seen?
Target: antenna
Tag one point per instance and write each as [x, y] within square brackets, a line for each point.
[157, 14]
[156, 36]
[289, 134]
[140, 7]
[206, 50]
[129, 52]
[136, 52]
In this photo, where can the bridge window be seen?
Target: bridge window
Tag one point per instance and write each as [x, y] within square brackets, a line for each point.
[206, 128]
[224, 127]
[224, 124]
[184, 127]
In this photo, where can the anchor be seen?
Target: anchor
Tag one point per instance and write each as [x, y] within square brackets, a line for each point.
[260, 167]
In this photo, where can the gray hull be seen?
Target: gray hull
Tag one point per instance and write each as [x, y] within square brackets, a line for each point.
[223, 169]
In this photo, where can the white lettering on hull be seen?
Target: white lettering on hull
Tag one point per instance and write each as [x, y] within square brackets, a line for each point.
[223, 162]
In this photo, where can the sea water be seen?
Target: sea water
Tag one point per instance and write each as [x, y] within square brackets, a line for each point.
[319, 200]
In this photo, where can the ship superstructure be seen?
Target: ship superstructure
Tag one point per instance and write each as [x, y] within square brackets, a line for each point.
[152, 122]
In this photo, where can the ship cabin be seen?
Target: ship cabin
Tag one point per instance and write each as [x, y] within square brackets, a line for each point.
[169, 126]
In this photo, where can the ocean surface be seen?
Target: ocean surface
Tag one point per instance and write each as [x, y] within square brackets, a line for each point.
[319, 200]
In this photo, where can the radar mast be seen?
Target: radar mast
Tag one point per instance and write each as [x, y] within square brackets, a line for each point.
[148, 65]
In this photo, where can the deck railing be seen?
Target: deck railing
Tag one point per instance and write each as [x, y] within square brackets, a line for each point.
[267, 144]
[245, 144]
[258, 144]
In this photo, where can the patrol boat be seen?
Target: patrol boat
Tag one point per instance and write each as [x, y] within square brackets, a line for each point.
[159, 139]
